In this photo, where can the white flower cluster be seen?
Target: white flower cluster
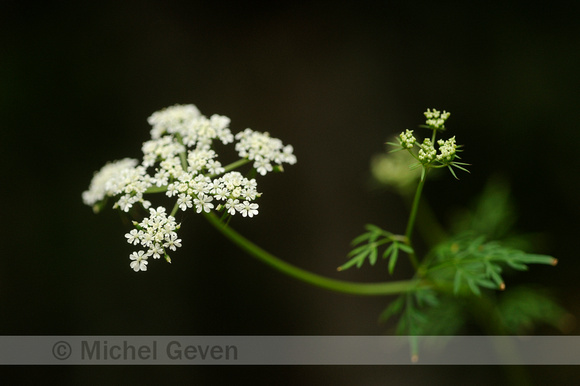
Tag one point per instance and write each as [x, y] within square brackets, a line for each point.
[201, 191]
[407, 140]
[179, 160]
[263, 150]
[436, 119]
[157, 233]
[194, 128]
[121, 177]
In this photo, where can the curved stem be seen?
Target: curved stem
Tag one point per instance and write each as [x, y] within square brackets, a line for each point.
[368, 289]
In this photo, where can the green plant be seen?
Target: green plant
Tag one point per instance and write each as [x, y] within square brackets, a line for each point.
[456, 278]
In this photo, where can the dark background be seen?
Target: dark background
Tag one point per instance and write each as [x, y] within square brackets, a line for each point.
[79, 79]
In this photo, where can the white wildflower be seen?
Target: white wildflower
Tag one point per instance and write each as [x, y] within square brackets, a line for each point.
[203, 203]
[247, 209]
[172, 242]
[134, 236]
[180, 160]
[172, 119]
[231, 205]
[139, 262]
[184, 201]
[263, 149]
[100, 187]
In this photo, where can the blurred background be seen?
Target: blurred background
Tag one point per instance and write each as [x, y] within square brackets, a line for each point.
[336, 80]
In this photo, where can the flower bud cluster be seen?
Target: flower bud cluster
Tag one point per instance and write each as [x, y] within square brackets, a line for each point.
[436, 119]
[407, 139]
[427, 152]
[447, 150]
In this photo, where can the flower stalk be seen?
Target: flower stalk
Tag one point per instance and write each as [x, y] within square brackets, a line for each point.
[353, 288]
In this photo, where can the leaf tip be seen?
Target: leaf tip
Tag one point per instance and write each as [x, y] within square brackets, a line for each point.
[414, 358]
[502, 286]
[554, 262]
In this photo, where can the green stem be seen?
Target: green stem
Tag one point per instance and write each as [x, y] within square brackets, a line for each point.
[368, 289]
[183, 154]
[234, 165]
[413, 216]
[427, 225]
[156, 189]
[174, 210]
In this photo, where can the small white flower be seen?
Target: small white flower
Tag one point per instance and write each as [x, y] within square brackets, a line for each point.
[221, 194]
[171, 190]
[231, 206]
[214, 186]
[147, 239]
[172, 242]
[156, 250]
[170, 225]
[159, 212]
[139, 262]
[201, 185]
[161, 177]
[133, 236]
[262, 165]
[125, 203]
[214, 167]
[203, 203]
[184, 202]
[248, 209]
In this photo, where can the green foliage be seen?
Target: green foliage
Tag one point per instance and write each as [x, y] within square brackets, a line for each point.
[465, 271]
[470, 262]
[493, 214]
[371, 240]
[426, 312]
[523, 308]
[460, 276]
